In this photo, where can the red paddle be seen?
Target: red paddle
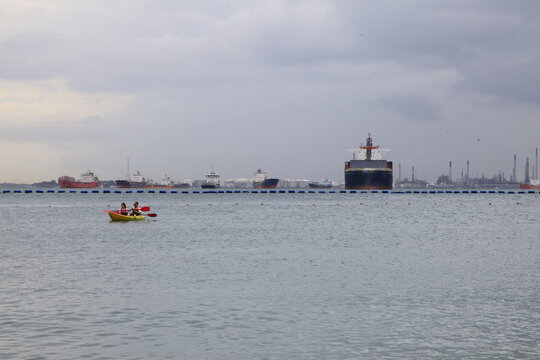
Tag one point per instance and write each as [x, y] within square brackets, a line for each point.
[144, 208]
[116, 211]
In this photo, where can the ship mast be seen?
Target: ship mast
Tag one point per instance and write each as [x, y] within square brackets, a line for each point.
[369, 146]
[128, 176]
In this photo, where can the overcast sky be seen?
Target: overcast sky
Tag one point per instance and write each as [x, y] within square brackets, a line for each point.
[288, 86]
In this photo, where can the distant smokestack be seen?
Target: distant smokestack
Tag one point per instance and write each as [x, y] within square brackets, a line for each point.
[412, 174]
[527, 179]
[399, 171]
[128, 173]
[536, 165]
[467, 172]
[514, 179]
[450, 172]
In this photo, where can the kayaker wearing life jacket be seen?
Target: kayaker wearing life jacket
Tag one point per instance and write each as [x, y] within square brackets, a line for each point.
[136, 210]
[123, 209]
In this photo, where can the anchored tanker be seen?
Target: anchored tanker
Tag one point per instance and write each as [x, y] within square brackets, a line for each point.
[367, 169]
[88, 180]
[262, 181]
[133, 181]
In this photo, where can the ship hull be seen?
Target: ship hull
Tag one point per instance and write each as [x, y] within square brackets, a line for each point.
[266, 184]
[118, 217]
[319, 186]
[209, 186]
[368, 179]
[129, 184]
[67, 184]
[529, 186]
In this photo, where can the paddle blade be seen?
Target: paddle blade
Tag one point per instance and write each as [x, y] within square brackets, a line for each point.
[144, 208]
[151, 215]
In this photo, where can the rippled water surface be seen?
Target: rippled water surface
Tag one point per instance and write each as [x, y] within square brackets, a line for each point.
[271, 276]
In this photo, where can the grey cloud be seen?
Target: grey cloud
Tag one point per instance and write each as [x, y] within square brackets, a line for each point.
[516, 79]
[34, 56]
[475, 39]
[412, 106]
[90, 129]
[235, 43]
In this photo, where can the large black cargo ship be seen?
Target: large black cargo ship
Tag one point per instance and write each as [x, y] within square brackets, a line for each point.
[367, 170]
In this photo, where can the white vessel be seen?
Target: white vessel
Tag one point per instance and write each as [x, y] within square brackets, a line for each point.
[211, 180]
[166, 182]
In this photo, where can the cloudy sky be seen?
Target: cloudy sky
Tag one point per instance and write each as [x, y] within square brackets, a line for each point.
[287, 86]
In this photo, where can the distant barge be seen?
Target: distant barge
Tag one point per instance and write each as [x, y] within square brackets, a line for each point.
[325, 184]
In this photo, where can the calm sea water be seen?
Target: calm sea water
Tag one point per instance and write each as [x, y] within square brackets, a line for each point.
[271, 276]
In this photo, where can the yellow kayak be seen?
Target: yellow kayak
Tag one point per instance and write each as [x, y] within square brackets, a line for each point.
[117, 217]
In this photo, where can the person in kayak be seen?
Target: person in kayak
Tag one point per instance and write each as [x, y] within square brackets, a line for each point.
[123, 209]
[136, 210]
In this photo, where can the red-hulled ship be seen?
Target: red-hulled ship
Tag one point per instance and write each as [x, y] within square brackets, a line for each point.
[529, 183]
[87, 180]
[533, 184]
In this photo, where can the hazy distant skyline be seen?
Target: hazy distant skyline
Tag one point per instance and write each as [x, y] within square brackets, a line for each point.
[287, 86]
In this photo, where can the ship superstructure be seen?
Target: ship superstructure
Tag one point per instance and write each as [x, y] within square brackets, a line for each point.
[367, 169]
